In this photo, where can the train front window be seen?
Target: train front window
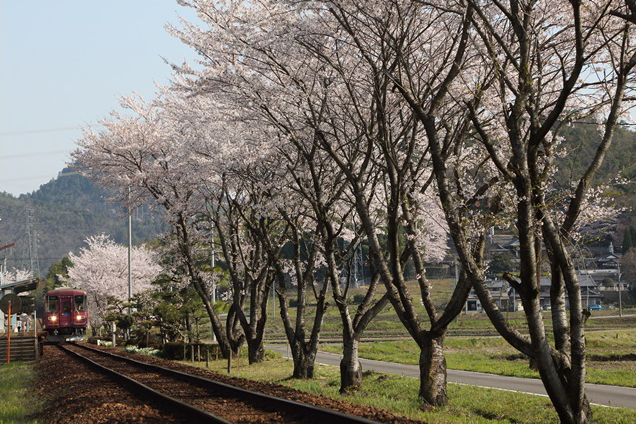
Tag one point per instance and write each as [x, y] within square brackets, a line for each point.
[66, 306]
[52, 304]
[79, 303]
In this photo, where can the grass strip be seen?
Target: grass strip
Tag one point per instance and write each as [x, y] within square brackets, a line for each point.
[17, 385]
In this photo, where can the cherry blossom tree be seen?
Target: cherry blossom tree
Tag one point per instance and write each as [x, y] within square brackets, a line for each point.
[236, 212]
[148, 154]
[18, 274]
[101, 268]
[250, 89]
[543, 64]
[316, 122]
[324, 189]
[329, 92]
[391, 144]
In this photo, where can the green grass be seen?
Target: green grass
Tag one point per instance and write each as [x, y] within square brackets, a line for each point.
[17, 403]
[494, 355]
[397, 394]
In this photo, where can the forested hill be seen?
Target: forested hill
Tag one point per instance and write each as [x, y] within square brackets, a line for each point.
[59, 216]
[580, 141]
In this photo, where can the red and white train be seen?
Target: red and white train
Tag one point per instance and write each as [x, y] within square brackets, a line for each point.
[66, 313]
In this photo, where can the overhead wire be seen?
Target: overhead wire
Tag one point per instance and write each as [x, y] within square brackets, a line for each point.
[40, 131]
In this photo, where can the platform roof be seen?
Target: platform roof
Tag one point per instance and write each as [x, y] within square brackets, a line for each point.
[21, 286]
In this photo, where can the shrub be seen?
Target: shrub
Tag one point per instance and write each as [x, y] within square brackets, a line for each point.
[142, 350]
[358, 298]
[270, 354]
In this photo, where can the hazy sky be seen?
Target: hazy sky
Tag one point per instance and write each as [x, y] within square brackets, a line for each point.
[64, 64]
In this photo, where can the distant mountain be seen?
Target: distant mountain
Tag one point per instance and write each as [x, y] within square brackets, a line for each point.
[59, 216]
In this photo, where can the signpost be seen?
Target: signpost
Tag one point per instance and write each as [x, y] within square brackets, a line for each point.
[10, 304]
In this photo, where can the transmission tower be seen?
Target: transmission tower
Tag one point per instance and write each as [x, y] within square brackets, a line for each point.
[34, 259]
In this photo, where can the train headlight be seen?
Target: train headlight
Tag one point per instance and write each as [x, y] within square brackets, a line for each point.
[78, 318]
[53, 318]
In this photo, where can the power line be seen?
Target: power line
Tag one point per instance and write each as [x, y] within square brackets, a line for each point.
[624, 124]
[11, 258]
[45, 130]
[37, 177]
[42, 153]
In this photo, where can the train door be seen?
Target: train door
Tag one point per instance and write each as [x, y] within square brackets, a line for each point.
[66, 317]
[52, 312]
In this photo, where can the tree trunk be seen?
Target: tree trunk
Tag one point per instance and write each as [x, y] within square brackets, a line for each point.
[303, 364]
[233, 335]
[350, 367]
[582, 414]
[255, 350]
[433, 371]
[188, 327]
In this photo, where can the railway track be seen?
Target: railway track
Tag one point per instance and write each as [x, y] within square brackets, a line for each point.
[201, 399]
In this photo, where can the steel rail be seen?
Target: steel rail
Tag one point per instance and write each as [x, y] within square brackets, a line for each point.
[165, 401]
[313, 413]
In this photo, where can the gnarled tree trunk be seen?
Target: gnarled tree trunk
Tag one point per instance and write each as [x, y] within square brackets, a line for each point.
[255, 350]
[304, 361]
[433, 370]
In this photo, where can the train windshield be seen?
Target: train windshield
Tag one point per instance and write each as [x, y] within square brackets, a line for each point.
[80, 303]
[66, 306]
[51, 305]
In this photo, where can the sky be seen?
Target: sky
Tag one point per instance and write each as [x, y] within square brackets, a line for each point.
[63, 66]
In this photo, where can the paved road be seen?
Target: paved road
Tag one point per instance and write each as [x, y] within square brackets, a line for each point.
[610, 316]
[596, 393]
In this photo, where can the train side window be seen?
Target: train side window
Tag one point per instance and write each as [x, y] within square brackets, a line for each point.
[79, 303]
[66, 306]
[51, 306]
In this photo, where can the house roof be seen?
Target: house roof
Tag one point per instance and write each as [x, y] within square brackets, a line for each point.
[584, 281]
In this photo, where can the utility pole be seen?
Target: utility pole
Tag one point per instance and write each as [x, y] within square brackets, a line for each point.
[587, 295]
[455, 284]
[129, 255]
[620, 300]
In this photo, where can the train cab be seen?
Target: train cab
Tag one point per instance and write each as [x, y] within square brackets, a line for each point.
[66, 312]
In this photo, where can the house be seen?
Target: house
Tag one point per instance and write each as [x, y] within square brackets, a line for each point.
[506, 298]
[589, 292]
[498, 290]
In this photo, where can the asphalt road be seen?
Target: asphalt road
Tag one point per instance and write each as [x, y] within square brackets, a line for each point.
[596, 393]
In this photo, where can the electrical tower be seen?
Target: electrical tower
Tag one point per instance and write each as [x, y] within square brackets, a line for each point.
[33, 242]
